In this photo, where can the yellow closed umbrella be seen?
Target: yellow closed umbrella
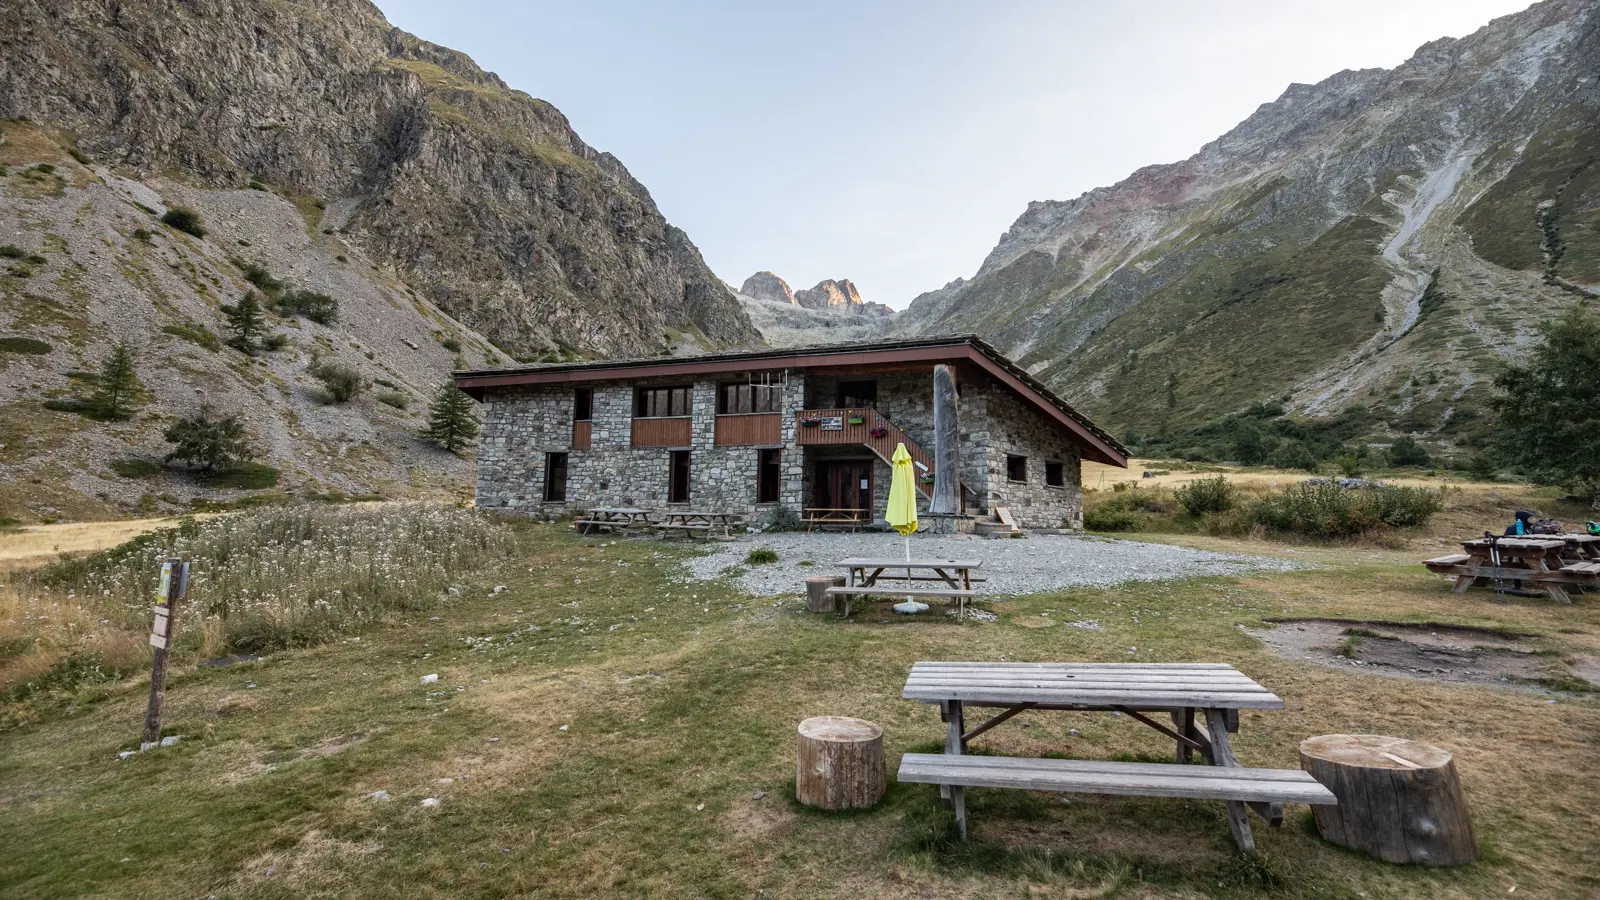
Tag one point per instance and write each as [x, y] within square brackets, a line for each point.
[902, 511]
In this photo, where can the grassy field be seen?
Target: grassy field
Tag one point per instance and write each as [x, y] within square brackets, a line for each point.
[603, 728]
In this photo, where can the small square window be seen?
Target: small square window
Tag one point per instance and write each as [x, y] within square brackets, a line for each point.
[582, 404]
[1055, 474]
[1016, 468]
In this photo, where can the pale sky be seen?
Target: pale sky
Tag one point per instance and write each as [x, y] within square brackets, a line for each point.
[893, 142]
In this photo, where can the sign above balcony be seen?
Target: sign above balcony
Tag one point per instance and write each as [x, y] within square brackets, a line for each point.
[833, 423]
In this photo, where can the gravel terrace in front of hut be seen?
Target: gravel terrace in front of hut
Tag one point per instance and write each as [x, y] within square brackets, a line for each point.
[1032, 565]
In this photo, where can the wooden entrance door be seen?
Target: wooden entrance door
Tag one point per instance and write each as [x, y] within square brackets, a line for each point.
[845, 484]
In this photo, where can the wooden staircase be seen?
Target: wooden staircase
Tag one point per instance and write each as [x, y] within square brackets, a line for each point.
[862, 433]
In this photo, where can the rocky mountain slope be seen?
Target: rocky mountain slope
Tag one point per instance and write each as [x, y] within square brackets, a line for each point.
[482, 198]
[456, 223]
[831, 312]
[1380, 239]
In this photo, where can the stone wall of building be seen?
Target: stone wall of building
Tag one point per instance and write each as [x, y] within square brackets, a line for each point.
[523, 425]
[1004, 426]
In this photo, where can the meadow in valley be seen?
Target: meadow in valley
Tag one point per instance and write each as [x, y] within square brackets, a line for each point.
[605, 725]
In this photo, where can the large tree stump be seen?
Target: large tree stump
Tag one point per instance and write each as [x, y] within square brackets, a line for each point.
[1399, 800]
[839, 764]
[817, 599]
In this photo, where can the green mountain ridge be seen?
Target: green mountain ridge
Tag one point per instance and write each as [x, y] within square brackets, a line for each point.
[1378, 241]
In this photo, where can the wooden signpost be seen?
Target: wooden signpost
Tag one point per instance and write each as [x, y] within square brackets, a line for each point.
[174, 584]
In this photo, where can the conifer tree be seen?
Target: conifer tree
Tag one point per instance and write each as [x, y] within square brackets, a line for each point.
[450, 420]
[246, 323]
[209, 443]
[118, 384]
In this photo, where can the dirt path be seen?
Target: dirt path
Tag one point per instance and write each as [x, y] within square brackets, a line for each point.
[36, 545]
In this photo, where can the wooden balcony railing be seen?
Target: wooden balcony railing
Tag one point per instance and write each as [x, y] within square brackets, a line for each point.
[882, 442]
[748, 429]
[580, 435]
[663, 431]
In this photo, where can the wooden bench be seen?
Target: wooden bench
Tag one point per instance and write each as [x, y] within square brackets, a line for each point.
[1454, 559]
[1077, 776]
[848, 593]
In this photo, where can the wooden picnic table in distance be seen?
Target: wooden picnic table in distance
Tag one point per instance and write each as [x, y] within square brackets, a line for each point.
[691, 521]
[1538, 560]
[612, 518]
[865, 575]
[818, 515]
[1137, 690]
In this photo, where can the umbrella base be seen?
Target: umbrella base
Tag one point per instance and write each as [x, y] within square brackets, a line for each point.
[910, 606]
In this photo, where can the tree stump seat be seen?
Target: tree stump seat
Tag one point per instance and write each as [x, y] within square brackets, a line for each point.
[1399, 800]
[839, 763]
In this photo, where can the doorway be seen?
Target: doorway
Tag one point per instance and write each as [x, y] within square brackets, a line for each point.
[844, 484]
[678, 477]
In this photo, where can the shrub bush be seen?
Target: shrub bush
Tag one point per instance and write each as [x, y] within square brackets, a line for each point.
[782, 518]
[23, 345]
[394, 399]
[452, 344]
[1206, 495]
[184, 219]
[12, 251]
[258, 275]
[1323, 509]
[135, 468]
[1110, 517]
[761, 556]
[195, 334]
[319, 308]
[208, 443]
[342, 382]
[1406, 451]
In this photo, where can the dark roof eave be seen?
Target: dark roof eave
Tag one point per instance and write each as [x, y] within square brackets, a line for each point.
[1101, 447]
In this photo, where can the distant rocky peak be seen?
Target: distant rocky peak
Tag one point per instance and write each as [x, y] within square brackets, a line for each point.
[767, 286]
[830, 294]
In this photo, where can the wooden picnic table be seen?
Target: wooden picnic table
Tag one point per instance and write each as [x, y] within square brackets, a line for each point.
[1540, 560]
[612, 518]
[1137, 690]
[692, 521]
[819, 515]
[864, 575]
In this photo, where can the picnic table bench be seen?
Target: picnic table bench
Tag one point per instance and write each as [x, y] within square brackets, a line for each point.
[691, 522]
[824, 516]
[1179, 690]
[864, 575]
[612, 518]
[1544, 561]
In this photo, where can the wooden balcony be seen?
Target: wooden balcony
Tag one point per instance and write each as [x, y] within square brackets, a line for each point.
[663, 431]
[834, 426]
[580, 435]
[750, 429]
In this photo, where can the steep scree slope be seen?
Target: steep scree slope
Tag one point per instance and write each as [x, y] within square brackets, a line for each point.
[481, 197]
[1381, 238]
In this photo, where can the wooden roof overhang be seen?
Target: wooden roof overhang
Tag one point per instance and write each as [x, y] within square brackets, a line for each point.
[967, 351]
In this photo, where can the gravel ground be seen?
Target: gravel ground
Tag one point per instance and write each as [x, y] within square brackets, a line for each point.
[1032, 565]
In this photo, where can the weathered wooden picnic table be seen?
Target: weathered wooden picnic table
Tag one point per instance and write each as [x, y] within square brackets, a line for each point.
[693, 522]
[825, 516]
[612, 518]
[1178, 690]
[1543, 561]
[864, 574]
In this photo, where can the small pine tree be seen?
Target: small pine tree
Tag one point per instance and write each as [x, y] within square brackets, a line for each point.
[118, 383]
[246, 323]
[450, 420]
[208, 443]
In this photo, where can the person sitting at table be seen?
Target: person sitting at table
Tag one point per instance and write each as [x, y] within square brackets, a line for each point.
[1523, 526]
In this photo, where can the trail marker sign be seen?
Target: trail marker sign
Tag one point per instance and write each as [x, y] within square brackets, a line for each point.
[174, 585]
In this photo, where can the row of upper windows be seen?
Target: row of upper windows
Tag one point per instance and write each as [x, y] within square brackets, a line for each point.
[661, 402]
